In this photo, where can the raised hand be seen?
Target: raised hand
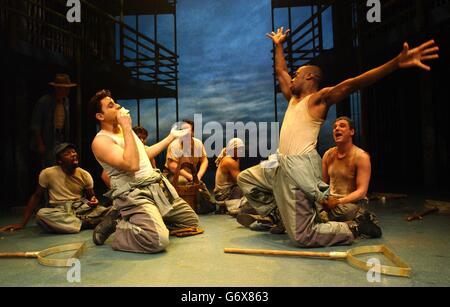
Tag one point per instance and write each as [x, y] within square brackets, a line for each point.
[178, 133]
[414, 57]
[124, 118]
[279, 37]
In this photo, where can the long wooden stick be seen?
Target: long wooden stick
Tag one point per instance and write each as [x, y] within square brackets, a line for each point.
[401, 268]
[328, 255]
[19, 255]
[420, 215]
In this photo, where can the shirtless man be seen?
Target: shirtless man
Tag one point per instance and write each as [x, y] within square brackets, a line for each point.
[346, 168]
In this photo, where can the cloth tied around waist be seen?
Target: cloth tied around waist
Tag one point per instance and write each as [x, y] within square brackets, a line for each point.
[271, 162]
[153, 184]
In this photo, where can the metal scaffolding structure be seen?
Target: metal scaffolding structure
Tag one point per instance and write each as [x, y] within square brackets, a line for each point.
[162, 64]
[101, 51]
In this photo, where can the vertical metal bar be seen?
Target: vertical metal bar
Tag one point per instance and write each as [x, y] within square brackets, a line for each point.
[157, 118]
[274, 72]
[352, 106]
[313, 28]
[320, 29]
[155, 29]
[155, 33]
[121, 33]
[290, 47]
[79, 103]
[137, 73]
[176, 66]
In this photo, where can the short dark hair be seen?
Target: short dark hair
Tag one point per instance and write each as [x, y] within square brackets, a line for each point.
[316, 71]
[190, 122]
[140, 130]
[95, 102]
[313, 70]
[348, 120]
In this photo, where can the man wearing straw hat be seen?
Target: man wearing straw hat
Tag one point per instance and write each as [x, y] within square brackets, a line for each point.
[50, 122]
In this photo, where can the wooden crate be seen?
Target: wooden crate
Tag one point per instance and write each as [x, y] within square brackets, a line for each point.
[189, 194]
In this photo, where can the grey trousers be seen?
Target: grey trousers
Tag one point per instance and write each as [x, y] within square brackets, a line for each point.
[294, 186]
[143, 229]
[68, 217]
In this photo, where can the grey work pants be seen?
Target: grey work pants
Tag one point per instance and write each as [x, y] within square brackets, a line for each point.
[294, 186]
[143, 229]
[68, 217]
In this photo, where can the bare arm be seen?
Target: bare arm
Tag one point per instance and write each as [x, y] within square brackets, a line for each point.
[90, 195]
[363, 171]
[203, 167]
[125, 159]
[156, 149]
[281, 67]
[107, 151]
[173, 165]
[106, 179]
[31, 205]
[325, 175]
[406, 59]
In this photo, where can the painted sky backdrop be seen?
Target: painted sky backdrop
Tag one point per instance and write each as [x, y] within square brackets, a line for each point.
[225, 61]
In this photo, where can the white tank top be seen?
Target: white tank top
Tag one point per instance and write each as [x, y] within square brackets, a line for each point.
[145, 167]
[299, 130]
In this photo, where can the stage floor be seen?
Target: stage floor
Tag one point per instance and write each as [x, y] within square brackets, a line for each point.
[200, 260]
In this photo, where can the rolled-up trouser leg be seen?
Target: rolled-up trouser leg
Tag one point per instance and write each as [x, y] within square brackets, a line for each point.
[181, 215]
[299, 217]
[60, 219]
[141, 230]
[257, 185]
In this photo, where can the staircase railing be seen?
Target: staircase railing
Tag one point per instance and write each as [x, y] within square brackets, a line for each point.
[43, 24]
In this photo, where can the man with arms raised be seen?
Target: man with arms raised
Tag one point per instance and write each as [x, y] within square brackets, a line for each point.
[295, 185]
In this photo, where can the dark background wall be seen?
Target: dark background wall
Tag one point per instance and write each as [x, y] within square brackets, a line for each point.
[404, 118]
